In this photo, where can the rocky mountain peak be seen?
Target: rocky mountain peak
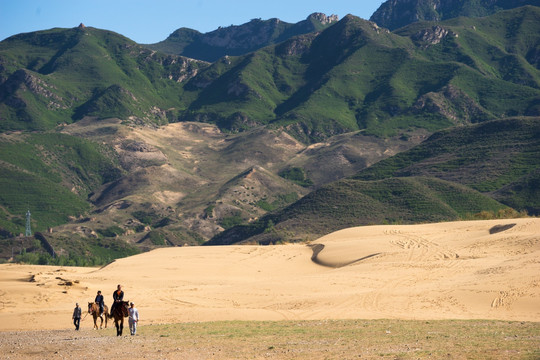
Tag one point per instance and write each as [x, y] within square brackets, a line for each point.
[431, 36]
[323, 18]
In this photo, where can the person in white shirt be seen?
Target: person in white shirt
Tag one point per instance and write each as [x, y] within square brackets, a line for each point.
[133, 318]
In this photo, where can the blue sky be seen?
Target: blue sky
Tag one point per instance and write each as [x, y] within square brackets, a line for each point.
[151, 21]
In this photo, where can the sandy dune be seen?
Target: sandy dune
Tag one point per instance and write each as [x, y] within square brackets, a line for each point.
[458, 270]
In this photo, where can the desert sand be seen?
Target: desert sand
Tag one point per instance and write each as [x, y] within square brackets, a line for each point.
[454, 270]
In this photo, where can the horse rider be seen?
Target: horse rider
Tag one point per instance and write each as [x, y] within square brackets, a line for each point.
[99, 300]
[118, 297]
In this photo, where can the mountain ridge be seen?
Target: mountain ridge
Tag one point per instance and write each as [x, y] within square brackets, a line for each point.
[405, 79]
[394, 14]
[417, 77]
[237, 40]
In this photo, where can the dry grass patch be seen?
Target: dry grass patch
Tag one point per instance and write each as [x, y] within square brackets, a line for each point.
[347, 339]
[329, 339]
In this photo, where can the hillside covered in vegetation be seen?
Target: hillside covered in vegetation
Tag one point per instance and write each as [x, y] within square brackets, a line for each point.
[118, 148]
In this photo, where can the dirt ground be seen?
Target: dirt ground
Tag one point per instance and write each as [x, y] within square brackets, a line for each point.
[313, 340]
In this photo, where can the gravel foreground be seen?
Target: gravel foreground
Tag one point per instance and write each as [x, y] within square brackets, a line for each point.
[329, 339]
[70, 344]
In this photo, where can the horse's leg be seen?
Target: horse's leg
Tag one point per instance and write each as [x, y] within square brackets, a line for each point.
[117, 327]
[121, 326]
[105, 314]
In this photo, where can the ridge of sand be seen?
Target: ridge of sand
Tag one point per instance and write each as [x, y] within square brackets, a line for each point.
[455, 270]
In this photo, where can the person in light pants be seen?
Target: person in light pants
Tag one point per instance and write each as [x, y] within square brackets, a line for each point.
[133, 318]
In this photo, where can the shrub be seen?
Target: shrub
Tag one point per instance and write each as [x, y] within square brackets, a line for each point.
[296, 175]
[111, 231]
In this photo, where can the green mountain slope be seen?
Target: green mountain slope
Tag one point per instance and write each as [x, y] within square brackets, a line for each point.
[61, 75]
[351, 76]
[394, 14]
[351, 202]
[498, 158]
[355, 75]
[453, 174]
[53, 174]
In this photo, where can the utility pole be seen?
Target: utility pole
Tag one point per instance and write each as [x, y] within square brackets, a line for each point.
[28, 231]
[28, 227]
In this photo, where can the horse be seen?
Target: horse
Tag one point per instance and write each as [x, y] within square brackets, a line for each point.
[119, 312]
[93, 309]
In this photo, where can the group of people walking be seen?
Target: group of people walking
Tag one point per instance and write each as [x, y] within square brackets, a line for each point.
[118, 297]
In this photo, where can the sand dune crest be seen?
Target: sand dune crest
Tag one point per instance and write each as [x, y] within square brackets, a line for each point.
[458, 270]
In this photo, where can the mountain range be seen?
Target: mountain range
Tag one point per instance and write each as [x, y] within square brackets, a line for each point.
[394, 14]
[238, 40]
[279, 133]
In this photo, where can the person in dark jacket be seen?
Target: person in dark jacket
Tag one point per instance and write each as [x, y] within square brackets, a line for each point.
[99, 300]
[118, 297]
[77, 316]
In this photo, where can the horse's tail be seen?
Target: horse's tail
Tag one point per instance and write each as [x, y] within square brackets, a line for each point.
[106, 312]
